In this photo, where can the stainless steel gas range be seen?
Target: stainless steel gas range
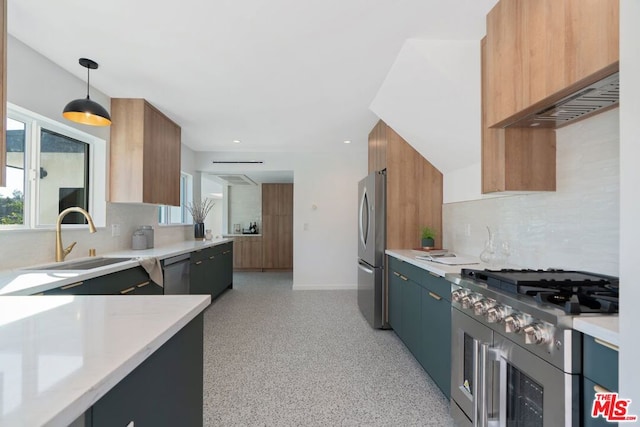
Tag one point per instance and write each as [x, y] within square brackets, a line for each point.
[516, 361]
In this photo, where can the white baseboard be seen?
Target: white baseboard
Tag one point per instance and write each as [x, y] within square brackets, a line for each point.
[327, 287]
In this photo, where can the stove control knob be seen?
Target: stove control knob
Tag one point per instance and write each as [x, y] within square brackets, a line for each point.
[458, 294]
[497, 313]
[514, 323]
[536, 333]
[468, 300]
[481, 307]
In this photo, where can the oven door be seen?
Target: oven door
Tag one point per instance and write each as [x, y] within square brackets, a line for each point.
[472, 372]
[532, 392]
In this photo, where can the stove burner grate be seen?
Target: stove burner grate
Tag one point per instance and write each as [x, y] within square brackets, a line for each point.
[574, 291]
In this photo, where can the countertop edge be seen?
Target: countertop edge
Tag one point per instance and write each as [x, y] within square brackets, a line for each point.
[76, 408]
[439, 269]
[605, 328]
[68, 276]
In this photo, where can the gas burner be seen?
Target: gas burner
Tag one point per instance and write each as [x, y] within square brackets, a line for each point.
[574, 291]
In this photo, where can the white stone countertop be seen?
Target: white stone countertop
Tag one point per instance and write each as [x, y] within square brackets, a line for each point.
[409, 255]
[604, 328]
[60, 354]
[241, 235]
[24, 281]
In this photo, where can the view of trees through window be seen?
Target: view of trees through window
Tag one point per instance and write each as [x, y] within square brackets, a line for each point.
[12, 196]
[47, 171]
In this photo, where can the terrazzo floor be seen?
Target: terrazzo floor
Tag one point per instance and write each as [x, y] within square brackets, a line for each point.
[277, 357]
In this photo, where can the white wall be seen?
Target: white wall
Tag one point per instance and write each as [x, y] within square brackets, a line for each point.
[575, 227]
[37, 84]
[325, 252]
[431, 97]
[629, 203]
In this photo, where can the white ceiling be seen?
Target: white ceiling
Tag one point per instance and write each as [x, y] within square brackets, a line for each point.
[279, 75]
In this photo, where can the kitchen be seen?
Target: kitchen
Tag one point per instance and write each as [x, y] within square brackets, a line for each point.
[330, 234]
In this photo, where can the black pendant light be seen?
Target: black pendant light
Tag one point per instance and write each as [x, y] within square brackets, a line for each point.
[85, 110]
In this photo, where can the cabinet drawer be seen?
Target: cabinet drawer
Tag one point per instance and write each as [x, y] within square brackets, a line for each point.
[436, 285]
[600, 363]
[430, 281]
[587, 404]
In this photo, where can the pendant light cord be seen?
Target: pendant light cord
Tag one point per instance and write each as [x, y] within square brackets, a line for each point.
[88, 70]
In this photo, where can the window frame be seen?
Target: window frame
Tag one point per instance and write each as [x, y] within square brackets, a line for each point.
[186, 196]
[96, 176]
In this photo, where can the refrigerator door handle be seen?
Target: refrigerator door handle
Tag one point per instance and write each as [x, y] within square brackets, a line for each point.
[364, 267]
[363, 222]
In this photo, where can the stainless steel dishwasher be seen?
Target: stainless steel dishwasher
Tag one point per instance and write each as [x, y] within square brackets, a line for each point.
[176, 274]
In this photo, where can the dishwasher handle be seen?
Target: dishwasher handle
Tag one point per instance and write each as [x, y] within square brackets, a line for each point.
[176, 259]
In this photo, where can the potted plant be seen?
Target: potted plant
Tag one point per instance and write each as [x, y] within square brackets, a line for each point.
[199, 211]
[428, 237]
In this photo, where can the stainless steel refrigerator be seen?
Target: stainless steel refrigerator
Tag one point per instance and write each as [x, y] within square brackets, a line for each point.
[372, 293]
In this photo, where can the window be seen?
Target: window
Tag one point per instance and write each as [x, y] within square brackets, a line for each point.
[168, 215]
[50, 167]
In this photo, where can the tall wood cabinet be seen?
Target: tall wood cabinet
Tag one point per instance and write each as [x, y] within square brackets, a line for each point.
[414, 188]
[535, 53]
[277, 226]
[144, 153]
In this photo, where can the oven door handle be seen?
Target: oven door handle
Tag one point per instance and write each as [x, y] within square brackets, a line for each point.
[476, 385]
[483, 407]
[495, 354]
[480, 407]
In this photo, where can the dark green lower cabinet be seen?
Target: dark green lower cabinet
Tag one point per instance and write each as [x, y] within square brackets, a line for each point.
[395, 302]
[411, 316]
[165, 390]
[435, 336]
[600, 375]
[212, 270]
[420, 314]
[133, 281]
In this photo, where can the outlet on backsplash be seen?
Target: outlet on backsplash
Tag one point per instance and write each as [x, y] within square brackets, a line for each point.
[115, 230]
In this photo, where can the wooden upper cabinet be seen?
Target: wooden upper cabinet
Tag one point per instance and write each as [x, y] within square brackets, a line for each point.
[539, 51]
[3, 93]
[144, 154]
[515, 159]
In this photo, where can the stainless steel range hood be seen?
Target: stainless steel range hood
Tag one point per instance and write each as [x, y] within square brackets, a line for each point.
[597, 97]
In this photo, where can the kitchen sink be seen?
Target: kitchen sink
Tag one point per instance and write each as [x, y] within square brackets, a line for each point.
[84, 264]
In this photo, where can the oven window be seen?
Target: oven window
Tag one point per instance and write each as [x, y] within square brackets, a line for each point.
[468, 363]
[524, 400]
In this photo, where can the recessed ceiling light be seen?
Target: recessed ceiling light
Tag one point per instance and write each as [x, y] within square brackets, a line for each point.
[236, 141]
[347, 141]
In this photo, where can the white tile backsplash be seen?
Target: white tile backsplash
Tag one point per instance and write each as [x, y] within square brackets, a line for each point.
[576, 227]
[22, 248]
[245, 206]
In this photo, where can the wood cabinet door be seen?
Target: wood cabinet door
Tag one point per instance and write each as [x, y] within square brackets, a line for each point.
[378, 147]
[539, 51]
[161, 159]
[277, 226]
